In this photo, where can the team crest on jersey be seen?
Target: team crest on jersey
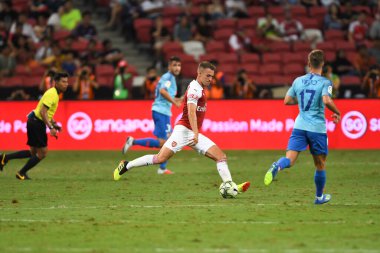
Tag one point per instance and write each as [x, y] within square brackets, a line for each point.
[174, 144]
[167, 84]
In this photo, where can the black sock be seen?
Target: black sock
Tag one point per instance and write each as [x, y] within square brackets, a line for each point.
[30, 164]
[18, 155]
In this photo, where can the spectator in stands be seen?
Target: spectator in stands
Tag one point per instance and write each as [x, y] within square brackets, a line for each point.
[203, 30]
[216, 89]
[309, 3]
[85, 84]
[243, 86]
[3, 35]
[203, 12]
[160, 35]
[236, 9]
[116, 9]
[109, 54]
[358, 29]
[85, 29]
[269, 28]
[38, 8]
[342, 66]
[152, 8]
[45, 50]
[374, 31]
[183, 30]
[150, 83]
[239, 42]
[374, 51]
[348, 15]
[363, 60]
[90, 56]
[70, 63]
[122, 81]
[371, 82]
[291, 29]
[18, 95]
[70, 16]
[55, 60]
[333, 19]
[7, 14]
[55, 19]
[334, 78]
[7, 62]
[216, 10]
[27, 29]
[40, 29]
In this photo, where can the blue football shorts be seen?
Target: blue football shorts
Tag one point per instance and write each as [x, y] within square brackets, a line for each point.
[162, 126]
[300, 139]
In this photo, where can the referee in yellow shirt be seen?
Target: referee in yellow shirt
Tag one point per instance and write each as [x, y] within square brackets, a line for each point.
[38, 120]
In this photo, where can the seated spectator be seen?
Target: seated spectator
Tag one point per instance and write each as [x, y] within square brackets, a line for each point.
[309, 3]
[243, 86]
[291, 29]
[183, 31]
[363, 60]
[358, 29]
[236, 9]
[27, 29]
[45, 50]
[203, 12]
[109, 54]
[85, 84]
[374, 51]
[371, 82]
[216, 10]
[342, 66]
[160, 35]
[374, 31]
[70, 63]
[152, 8]
[239, 42]
[38, 8]
[7, 62]
[328, 73]
[150, 83]
[85, 29]
[41, 27]
[332, 19]
[91, 55]
[70, 16]
[55, 60]
[122, 81]
[3, 35]
[348, 15]
[269, 28]
[116, 9]
[203, 30]
[7, 14]
[55, 19]
[327, 3]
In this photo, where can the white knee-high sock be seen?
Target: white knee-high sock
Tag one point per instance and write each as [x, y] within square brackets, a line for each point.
[223, 170]
[142, 161]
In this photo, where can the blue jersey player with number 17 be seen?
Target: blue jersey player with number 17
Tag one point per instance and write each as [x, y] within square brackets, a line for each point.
[312, 92]
[166, 91]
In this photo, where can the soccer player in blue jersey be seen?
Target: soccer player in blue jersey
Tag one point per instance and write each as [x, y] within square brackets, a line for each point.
[312, 93]
[166, 91]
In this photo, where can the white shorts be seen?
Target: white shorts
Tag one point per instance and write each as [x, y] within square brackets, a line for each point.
[182, 136]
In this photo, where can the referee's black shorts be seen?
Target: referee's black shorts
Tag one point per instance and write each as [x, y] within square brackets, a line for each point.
[36, 130]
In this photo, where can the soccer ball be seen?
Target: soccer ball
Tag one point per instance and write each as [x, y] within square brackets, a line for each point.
[228, 190]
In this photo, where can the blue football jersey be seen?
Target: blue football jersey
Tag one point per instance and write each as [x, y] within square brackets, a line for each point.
[160, 104]
[308, 90]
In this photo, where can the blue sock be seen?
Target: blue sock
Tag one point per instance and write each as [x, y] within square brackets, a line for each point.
[320, 180]
[147, 142]
[163, 165]
[283, 162]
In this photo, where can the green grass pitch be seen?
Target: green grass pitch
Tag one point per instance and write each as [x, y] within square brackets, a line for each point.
[73, 205]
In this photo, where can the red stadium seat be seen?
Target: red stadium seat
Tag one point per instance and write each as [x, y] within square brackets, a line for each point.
[228, 68]
[350, 80]
[298, 11]
[172, 48]
[301, 46]
[270, 69]
[262, 80]
[21, 70]
[282, 80]
[330, 56]
[230, 58]
[252, 69]
[14, 81]
[227, 23]
[186, 58]
[294, 58]
[172, 12]
[105, 81]
[317, 11]
[246, 23]
[209, 57]
[32, 81]
[168, 23]
[279, 46]
[271, 58]
[189, 70]
[256, 11]
[276, 11]
[230, 79]
[143, 27]
[311, 23]
[326, 46]
[360, 8]
[215, 46]
[104, 70]
[345, 45]
[223, 34]
[294, 69]
[249, 58]
[37, 71]
[80, 46]
[61, 34]
[334, 35]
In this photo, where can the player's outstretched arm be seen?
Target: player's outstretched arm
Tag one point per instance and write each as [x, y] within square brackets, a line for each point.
[289, 100]
[332, 107]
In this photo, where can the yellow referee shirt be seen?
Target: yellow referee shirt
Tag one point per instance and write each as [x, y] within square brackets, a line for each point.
[50, 99]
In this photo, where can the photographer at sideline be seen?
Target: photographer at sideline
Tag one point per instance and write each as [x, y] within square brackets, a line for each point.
[371, 82]
[243, 86]
[122, 81]
[85, 84]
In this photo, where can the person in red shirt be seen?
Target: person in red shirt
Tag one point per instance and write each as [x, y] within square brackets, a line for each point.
[187, 132]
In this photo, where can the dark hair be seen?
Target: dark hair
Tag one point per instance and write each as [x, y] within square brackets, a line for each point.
[316, 58]
[86, 13]
[206, 65]
[174, 58]
[150, 68]
[59, 75]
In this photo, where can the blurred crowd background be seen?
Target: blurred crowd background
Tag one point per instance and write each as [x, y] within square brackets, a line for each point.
[117, 49]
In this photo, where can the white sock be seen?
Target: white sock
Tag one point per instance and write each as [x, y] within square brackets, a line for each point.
[223, 170]
[141, 161]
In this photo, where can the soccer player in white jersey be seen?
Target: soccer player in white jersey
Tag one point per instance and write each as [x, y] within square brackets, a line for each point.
[311, 92]
[186, 132]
